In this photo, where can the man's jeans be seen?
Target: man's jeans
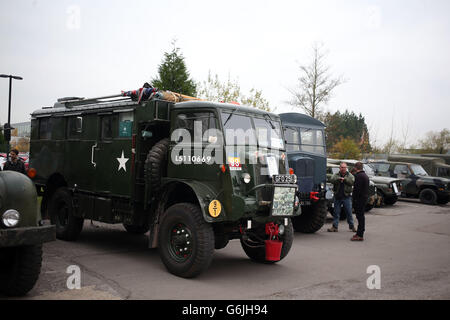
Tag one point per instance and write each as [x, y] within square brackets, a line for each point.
[347, 203]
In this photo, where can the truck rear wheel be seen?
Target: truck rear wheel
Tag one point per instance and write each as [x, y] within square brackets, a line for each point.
[428, 196]
[186, 240]
[312, 217]
[19, 269]
[156, 162]
[68, 227]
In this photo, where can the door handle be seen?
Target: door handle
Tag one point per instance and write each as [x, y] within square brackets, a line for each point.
[92, 155]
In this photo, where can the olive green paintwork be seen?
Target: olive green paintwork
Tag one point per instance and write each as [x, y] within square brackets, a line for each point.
[434, 166]
[107, 173]
[18, 192]
[412, 184]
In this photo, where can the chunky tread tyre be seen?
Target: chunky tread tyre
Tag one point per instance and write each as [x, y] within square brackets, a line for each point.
[202, 236]
[20, 270]
[428, 196]
[68, 227]
[312, 218]
[258, 253]
[155, 164]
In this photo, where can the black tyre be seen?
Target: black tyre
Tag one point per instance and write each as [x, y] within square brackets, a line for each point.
[156, 164]
[390, 200]
[68, 227]
[19, 269]
[369, 207]
[136, 229]
[186, 241]
[443, 200]
[428, 196]
[255, 249]
[312, 217]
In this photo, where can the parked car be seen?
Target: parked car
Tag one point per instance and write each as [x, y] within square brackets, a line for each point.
[416, 182]
[434, 166]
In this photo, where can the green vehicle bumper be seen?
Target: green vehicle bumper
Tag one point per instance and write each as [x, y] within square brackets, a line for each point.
[16, 237]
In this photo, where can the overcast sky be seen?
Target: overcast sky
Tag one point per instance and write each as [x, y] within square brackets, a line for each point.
[394, 54]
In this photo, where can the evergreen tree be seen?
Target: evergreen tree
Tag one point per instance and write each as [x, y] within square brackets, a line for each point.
[346, 125]
[173, 74]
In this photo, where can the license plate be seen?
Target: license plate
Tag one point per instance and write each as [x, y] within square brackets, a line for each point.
[305, 203]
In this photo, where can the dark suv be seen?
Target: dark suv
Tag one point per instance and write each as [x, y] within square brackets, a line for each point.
[416, 181]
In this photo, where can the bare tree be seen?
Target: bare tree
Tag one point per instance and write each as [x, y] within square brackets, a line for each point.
[315, 84]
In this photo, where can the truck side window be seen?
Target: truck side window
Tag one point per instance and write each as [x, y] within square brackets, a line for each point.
[293, 139]
[188, 120]
[125, 124]
[106, 128]
[45, 128]
[401, 171]
[74, 127]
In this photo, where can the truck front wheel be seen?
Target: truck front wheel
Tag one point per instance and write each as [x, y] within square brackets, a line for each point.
[19, 269]
[186, 240]
[68, 227]
[255, 249]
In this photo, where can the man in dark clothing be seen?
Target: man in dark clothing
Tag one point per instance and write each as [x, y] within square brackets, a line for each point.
[360, 194]
[15, 163]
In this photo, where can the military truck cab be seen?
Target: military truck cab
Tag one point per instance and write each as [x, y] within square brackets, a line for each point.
[306, 148]
[21, 235]
[195, 174]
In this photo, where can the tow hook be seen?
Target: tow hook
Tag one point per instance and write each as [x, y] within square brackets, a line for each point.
[314, 195]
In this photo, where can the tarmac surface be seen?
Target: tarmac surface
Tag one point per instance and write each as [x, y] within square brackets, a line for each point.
[409, 242]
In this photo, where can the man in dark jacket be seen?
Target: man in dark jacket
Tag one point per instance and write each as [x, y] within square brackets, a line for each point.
[342, 186]
[15, 163]
[360, 194]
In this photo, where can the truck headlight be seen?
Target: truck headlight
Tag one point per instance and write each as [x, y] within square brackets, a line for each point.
[246, 177]
[10, 218]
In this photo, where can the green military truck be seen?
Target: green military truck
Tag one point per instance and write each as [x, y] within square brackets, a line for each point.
[306, 150]
[445, 157]
[195, 174]
[21, 236]
[434, 166]
[416, 183]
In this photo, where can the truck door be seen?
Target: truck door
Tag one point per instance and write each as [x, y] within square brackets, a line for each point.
[409, 180]
[113, 154]
[190, 154]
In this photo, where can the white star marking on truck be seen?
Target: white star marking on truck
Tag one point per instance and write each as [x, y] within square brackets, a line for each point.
[122, 161]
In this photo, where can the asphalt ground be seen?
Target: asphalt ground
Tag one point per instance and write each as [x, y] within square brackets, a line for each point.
[408, 244]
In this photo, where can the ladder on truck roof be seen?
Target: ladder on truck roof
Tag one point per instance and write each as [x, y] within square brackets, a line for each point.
[69, 102]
